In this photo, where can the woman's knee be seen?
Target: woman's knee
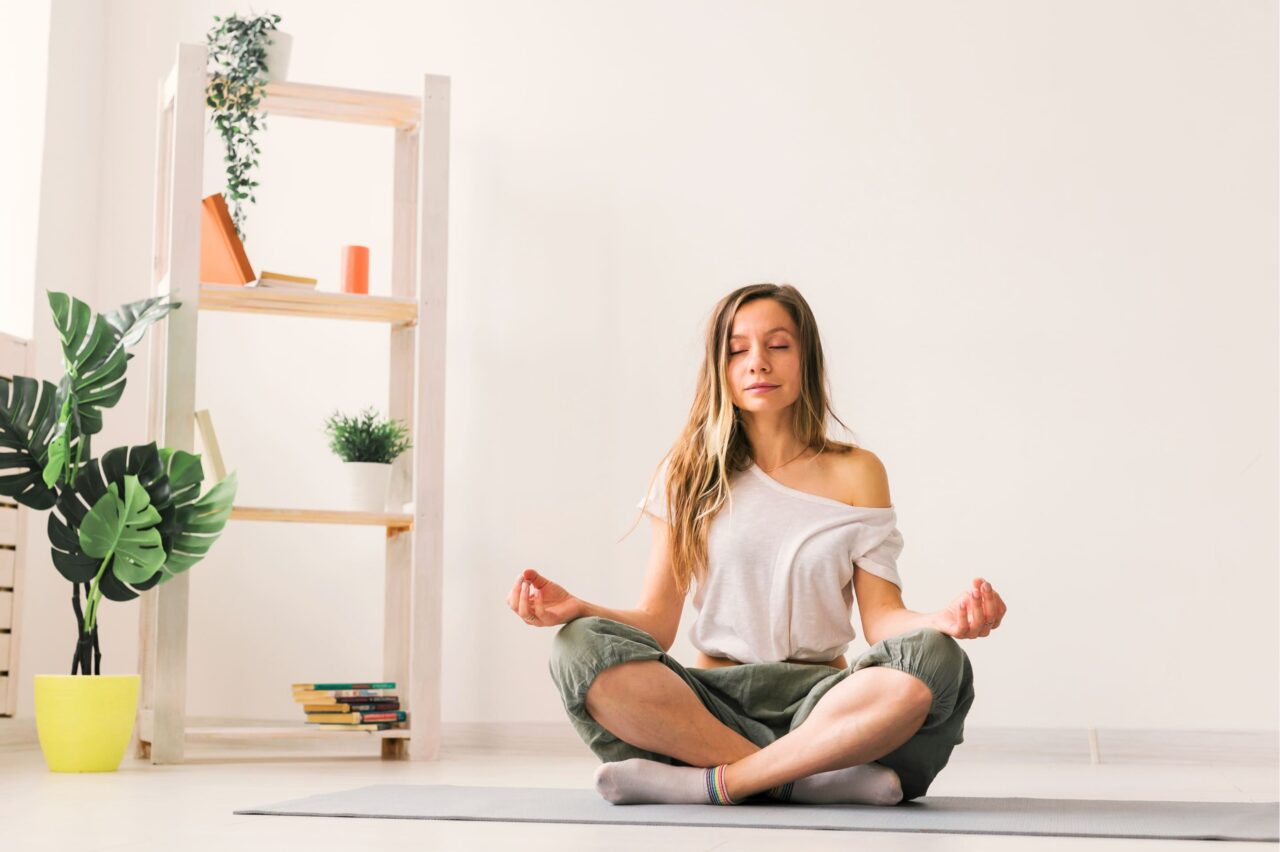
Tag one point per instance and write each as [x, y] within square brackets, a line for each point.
[573, 637]
[573, 646]
[585, 646]
[941, 663]
[590, 634]
[941, 647]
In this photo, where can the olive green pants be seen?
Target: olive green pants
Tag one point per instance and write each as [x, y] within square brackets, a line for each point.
[764, 701]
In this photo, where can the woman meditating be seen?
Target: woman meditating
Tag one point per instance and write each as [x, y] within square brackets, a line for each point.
[783, 529]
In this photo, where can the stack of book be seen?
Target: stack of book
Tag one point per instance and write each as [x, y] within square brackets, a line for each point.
[286, 282]
[350, 706]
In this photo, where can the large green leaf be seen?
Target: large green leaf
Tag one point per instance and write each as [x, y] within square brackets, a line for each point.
[189, 524]
[123, 529]
[73, 505]
[185, 474]
[93, 351]
[130, 321]
[27, 416]
[95, 364]
[199, 524]
[95, 359]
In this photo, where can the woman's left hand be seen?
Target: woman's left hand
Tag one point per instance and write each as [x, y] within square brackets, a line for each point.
[972, 615]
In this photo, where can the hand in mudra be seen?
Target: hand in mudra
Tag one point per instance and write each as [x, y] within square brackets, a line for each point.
[540, 602]
[972, 615]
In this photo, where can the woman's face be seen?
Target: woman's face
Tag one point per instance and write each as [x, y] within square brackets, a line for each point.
[763, 348]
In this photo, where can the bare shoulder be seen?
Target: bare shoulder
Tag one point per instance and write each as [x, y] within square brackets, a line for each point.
[865, 480]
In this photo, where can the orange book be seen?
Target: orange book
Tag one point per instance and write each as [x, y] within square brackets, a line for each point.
[222, 257]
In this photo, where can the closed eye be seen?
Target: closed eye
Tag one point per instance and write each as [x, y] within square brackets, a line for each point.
[740, 351]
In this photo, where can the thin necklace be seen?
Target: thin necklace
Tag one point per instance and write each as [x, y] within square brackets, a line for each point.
[785, 463]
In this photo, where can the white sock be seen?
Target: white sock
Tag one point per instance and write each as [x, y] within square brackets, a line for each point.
[865, 784]
[637, 781]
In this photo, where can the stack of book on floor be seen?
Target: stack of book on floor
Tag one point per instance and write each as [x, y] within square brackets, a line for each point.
[281, 281]
[350, 706]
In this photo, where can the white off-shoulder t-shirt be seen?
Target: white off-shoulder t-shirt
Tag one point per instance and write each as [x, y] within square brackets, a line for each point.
[779, 582]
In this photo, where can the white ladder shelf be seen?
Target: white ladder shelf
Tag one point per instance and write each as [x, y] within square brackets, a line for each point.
[415, 316]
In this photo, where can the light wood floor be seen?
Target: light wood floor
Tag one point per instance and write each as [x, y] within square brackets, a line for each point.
[189, 807]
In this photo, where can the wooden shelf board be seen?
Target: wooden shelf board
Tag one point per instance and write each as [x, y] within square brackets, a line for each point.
[287, 732]
[392, 520]
[322, 304]
[334, 103]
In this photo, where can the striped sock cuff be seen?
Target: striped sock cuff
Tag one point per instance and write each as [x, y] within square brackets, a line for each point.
[717, 792]
[782, 792]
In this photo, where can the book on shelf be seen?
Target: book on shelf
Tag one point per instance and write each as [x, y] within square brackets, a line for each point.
[285, 282]
[371, 706]
[340, 698]
[362, 726]
[356, 718]
[341, 690]
[222, 256]
[380, 696]
[351, 705]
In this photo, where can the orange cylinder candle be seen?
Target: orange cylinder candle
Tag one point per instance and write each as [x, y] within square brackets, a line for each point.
[355, 269]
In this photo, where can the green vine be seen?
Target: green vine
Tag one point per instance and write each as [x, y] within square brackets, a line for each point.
[238, 67]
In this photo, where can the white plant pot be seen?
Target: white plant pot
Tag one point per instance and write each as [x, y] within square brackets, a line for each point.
[277, 57]
[369, 482]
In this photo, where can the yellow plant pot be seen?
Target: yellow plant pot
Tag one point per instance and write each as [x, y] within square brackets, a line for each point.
[85, 722]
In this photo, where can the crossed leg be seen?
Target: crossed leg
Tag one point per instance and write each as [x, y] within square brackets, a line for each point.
[866, 716]
[645, 703]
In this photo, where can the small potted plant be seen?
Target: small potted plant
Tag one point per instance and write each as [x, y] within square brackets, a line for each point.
[120, 524]
[367, 445]
[244, 55]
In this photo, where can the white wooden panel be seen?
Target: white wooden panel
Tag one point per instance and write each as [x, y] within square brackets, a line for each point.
[8, 567]
[15, 360]
[427, 548]
[162, 649]
[8, 524]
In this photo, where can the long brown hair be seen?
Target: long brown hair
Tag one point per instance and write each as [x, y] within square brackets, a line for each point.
[714, 445]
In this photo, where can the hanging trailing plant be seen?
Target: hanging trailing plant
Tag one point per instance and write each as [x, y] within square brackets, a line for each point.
[238, 67]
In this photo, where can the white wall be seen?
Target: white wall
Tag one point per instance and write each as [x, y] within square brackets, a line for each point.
[24, 60]
[1040, 240]
[65, 251]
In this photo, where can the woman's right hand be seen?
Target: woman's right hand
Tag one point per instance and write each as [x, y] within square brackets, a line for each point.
[540, 602]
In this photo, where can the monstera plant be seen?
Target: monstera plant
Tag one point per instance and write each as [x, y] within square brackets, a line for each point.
[122, 523]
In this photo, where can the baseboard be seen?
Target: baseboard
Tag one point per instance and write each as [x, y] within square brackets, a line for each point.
[1110, 746]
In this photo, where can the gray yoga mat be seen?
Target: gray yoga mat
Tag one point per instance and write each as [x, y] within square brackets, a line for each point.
[928, 814]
